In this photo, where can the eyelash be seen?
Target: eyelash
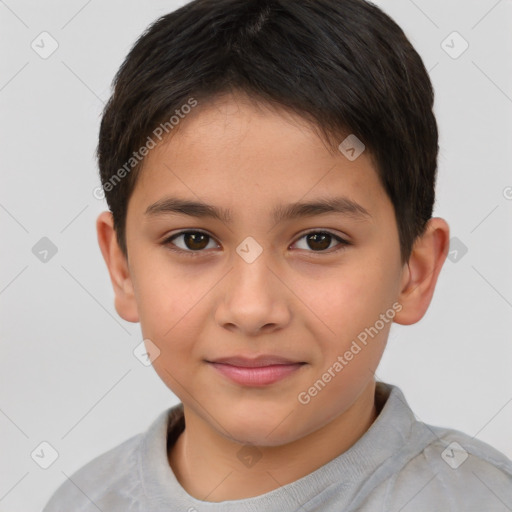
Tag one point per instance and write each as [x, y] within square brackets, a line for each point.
[170, 246]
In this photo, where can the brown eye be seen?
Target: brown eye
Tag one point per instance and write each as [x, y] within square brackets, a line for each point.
[320, 241]
[192, 241]
[195, 241]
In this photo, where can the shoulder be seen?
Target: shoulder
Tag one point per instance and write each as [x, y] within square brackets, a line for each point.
[110, 479]
[455, 470]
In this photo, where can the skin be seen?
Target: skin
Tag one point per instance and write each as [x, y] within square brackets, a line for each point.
[292, 301]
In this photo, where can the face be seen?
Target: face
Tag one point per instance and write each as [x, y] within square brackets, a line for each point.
[253, 281]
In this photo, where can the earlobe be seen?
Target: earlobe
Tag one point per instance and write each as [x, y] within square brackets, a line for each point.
[118, 268]
[420, 275]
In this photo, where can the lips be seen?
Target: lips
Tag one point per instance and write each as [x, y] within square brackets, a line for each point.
[256, 372]
[262, 360]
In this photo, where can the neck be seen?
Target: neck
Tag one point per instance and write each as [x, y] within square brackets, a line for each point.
[206, 466]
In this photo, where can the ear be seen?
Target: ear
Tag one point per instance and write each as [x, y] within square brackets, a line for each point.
[118, 268]
[419, 275]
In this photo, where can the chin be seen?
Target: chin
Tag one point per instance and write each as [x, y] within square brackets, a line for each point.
[261, 429]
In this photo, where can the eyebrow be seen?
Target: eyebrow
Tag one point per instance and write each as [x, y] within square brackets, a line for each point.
[341, 205]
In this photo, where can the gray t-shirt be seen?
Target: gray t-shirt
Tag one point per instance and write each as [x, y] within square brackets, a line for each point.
[399, 464]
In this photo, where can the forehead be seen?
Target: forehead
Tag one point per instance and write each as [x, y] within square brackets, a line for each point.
[233, 152]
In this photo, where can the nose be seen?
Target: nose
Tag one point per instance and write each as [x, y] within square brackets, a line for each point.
[254, 298]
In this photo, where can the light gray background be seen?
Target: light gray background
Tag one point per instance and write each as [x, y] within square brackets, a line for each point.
[68, 374]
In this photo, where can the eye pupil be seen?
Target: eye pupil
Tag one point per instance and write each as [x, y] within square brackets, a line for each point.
[194, 239]
[323, 239]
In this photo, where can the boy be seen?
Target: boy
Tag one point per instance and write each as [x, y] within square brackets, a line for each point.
[270, 169]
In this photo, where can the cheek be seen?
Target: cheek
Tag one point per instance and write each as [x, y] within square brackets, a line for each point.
[171, 310]
[172, 320]
[346, 301]
[345, 315]
[165, 292]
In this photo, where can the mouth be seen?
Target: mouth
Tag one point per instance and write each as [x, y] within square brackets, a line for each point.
[256, 372]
